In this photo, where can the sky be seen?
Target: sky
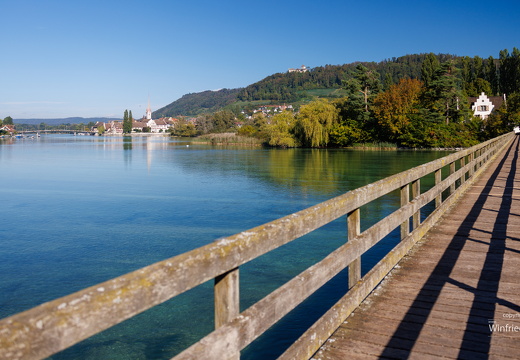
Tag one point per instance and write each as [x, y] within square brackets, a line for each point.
[98, 58]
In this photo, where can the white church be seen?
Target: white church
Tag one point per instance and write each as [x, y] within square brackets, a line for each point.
[156, 126]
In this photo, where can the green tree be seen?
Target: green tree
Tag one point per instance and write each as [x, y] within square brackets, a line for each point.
[491, 75]
[442, 97]
[365, 82]
[280, 131]
[345, 134]
[183, 128]
[223, 120]
[429, 66]
[247, 130]
[315, 121]
[127, 122]
[8, 121]
[509, 72]
[478, 67]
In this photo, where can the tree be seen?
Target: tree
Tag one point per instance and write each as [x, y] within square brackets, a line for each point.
[364, 81]
[280, 131]
[204, 124]
[428, 69]
[8, 121]
[183, 128]
[315, 121]
[223, 121]
[441, 97]
[394, 108]
[509, 71]
[491, 75]
[478, 66]
[127, 122]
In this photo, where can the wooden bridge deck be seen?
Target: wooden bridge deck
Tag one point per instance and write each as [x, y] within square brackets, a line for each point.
[457, 295]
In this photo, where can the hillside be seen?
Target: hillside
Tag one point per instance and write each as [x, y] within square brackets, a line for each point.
[297, 87]
[198, 103]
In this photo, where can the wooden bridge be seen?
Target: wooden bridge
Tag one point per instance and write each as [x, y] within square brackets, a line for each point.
[457, 295]
[57, 131]
[447, 289]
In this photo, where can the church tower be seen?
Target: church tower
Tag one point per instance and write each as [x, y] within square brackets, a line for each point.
[148, 111]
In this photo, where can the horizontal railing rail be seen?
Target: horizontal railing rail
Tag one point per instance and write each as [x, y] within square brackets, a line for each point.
[59, 324]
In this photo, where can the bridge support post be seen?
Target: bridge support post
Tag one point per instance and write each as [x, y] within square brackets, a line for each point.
[354, 228]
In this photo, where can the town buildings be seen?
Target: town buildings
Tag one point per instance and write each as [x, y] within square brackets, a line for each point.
[144, 125]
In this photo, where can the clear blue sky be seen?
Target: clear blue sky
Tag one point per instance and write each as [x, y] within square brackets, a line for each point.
[98, 58]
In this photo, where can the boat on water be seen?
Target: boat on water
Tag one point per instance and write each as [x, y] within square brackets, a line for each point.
[517, 130]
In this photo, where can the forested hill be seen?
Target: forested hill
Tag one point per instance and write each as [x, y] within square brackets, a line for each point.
[198, 103]
[296, 87]
[290, 86]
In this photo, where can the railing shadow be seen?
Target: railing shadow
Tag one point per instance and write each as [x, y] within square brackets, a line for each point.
[476, 337]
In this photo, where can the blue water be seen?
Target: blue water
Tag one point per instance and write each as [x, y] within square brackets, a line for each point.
[79, 210]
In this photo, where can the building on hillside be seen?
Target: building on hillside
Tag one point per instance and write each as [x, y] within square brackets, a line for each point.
[301, 69]
[484, 105]
[270, 110]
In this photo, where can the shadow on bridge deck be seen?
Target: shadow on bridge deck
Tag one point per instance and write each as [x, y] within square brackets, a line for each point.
[456, 295]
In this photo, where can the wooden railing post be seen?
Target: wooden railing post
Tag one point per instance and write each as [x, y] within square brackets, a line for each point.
[354, 228]
[471, 171]
[227, 301]
[405, 199]
[462, 164]
[438, 179]
[452, 171]
[416, 191]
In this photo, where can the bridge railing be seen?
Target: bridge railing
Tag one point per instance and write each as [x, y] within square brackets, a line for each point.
[59, 324]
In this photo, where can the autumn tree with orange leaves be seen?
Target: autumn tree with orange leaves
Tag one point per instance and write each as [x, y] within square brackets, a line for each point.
[395, 108]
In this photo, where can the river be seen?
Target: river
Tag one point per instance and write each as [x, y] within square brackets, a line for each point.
[79, 210]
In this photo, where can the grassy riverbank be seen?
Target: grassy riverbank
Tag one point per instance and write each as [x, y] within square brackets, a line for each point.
[227, 139]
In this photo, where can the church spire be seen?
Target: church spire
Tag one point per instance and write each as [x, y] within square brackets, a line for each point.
[149, 110]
